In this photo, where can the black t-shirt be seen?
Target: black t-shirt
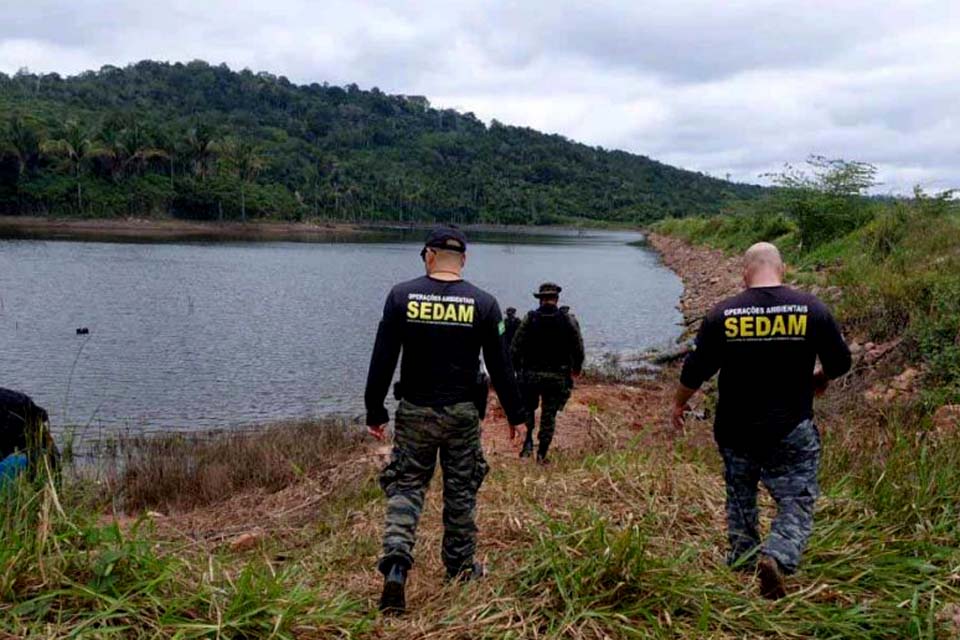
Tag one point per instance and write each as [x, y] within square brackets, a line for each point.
[441, 327]
[765, 342]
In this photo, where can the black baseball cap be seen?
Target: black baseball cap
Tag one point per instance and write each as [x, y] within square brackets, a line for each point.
[446, 237]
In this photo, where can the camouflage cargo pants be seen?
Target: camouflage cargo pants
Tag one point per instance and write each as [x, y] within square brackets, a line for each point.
[549, 391]
[420, 434]
[789, 472]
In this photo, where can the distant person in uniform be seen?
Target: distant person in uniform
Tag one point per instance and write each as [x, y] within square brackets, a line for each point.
[565, 309]
[547, 353]
[765, 342]
[26, 445]
[511, 324]
[441, 323]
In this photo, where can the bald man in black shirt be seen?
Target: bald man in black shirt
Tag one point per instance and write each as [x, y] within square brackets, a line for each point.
[765, 342]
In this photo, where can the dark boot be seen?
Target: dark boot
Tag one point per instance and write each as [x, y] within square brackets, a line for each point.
[542, 454]
[527, 449]
[771, 578]
[468, 573]
[393, 600]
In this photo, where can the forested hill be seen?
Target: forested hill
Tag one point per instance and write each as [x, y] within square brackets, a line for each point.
[202, 141]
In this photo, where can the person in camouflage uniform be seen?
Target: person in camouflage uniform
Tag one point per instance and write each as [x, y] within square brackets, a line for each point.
[510, 323]
[547, 353]
[442, 324]
[765, 343]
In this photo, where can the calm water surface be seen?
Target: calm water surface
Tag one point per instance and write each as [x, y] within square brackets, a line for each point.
[191, 336]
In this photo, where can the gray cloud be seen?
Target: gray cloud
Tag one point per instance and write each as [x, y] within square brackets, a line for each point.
[733, 88]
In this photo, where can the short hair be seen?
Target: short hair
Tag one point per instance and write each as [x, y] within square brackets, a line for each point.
[762, 254]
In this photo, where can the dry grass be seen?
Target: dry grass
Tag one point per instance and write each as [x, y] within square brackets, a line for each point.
[622, 537]
[182, 471]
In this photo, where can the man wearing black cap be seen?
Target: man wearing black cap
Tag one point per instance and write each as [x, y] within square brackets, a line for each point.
[548, 352]
[441, 323]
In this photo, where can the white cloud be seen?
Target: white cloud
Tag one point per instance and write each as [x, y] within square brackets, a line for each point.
[733, 88]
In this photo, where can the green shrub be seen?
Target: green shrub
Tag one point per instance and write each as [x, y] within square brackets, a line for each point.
[938, 334]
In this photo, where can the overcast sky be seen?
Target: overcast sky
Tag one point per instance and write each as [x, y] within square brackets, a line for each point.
[732, 87]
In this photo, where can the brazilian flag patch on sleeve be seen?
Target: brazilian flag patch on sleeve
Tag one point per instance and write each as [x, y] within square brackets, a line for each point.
[502, 327]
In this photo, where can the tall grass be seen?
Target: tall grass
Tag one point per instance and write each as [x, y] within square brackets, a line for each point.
[65, 570]
[185, 470]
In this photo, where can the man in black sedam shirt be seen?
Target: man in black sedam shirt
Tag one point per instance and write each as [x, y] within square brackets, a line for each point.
[441, 323]
[765, 342]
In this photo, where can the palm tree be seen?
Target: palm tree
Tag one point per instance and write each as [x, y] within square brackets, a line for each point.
[137, 147]
[76, 147]
[112, 149]
[244, 159]
[201, 147]
[22, 141]
[167, 145]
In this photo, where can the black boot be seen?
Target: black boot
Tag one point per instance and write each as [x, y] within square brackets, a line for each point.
[468, 573]
[393, 600]
[527, 449]
[542, 454]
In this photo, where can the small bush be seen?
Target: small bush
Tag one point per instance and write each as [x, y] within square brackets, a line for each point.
[938, 334]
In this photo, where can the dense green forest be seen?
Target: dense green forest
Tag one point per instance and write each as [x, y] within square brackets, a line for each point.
[204, 142]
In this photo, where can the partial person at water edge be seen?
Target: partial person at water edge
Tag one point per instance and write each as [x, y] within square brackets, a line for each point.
[440, 323]
[26, 444]
[765, 343]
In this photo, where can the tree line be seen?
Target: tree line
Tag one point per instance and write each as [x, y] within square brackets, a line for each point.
[204, 142]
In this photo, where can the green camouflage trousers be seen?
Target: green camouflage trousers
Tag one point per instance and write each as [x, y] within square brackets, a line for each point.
[789, 472]
[422, 433]
[549, 391]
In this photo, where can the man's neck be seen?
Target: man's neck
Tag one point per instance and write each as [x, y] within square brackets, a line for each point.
[765, 282]
[445, 275]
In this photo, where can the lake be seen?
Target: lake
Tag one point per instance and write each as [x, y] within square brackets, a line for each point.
[199, 336]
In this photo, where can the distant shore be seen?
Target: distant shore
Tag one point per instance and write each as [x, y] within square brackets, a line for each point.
[170, 230]
[175, 230]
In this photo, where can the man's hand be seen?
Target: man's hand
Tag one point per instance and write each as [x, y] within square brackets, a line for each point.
[513, 433]
[378, 431]
[680, 404]
[679, 409]
[820, 382]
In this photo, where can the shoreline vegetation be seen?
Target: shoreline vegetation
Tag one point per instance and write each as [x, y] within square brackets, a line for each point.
[623, 536]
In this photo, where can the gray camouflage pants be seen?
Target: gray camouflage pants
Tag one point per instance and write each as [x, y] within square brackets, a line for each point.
[422, 433]
[789, 472]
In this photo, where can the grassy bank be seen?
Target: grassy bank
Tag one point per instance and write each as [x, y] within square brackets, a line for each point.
[612, 542]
